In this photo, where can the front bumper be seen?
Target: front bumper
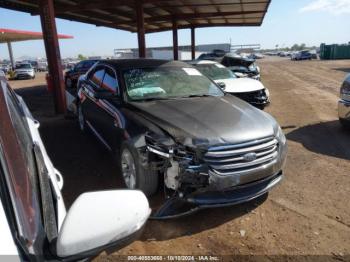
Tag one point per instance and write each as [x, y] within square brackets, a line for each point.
[218, 181]
[344, 110]
[23, 75]
[177, 207]
[259, 99]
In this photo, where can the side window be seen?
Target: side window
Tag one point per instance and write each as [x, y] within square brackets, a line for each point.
[110, 81]
[97, 77]
[88, 64]
[79, 66]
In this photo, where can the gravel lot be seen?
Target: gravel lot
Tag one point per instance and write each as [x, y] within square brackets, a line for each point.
[307, 214]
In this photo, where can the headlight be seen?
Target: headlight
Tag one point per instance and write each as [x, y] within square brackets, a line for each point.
[280, 135]
[267, 92]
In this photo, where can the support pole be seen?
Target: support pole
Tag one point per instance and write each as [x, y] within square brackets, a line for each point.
[48, 24]
[193, 43]
[140, 29]
[9, 46]
[175, 40]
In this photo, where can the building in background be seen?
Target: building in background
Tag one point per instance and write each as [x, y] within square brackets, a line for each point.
[166, 52]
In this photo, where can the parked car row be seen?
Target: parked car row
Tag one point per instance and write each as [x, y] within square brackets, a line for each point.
[5, 68]
[240, 65]
[247, 89]
[71, 76]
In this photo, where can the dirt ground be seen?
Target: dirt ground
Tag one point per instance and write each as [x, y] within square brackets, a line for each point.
[307, 214]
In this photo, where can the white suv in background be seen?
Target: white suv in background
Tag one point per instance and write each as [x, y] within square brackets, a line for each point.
[24, 70]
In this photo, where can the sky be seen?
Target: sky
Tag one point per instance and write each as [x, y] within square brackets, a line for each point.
[287, 22]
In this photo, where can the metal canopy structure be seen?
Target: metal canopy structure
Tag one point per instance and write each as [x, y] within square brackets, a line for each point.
[158, 14]
[11, 35]
[141, 16]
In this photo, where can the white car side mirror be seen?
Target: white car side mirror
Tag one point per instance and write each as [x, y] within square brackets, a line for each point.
[100, 220]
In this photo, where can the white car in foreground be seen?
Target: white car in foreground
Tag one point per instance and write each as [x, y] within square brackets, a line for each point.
[34, 224]
[250, 90]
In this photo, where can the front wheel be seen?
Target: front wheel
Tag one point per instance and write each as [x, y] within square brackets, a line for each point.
[345, 123]
[135, 174]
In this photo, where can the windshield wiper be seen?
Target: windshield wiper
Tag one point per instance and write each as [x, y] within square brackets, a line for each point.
[197, 95]
[151, 99]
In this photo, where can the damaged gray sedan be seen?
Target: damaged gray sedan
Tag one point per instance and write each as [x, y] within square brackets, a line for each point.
[171, 127]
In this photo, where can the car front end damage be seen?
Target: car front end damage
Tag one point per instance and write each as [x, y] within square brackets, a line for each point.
[259, 98]
[201, 176]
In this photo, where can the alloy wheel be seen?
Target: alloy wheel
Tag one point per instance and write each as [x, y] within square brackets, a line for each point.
[128, 169]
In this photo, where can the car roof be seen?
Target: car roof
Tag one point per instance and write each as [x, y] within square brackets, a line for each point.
[238, 57]
[202, 62]
[88, 60]
[122, 64]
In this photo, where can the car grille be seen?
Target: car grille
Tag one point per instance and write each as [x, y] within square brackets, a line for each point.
[234, 159]
[256, 97]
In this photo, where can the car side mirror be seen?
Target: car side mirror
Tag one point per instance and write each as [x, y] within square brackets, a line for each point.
[102, 220]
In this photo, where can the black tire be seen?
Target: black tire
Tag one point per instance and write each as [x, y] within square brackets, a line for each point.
[345, 123]
[146, 178]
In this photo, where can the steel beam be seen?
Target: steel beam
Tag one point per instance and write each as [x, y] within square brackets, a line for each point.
[9, 46]
[175, 41]
[140, 29]
[48, 24]
[193, 43]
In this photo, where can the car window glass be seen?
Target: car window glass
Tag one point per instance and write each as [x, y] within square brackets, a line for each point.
[110, 82]
[167, 82]
[88, 64]
[79, 66]
[97, 77]
[215, 71]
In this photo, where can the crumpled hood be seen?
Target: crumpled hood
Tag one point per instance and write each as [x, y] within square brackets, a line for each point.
[208, 120]
[241, 85]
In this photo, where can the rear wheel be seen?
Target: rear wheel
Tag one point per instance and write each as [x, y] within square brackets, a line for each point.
[134, 174]
[345, 123]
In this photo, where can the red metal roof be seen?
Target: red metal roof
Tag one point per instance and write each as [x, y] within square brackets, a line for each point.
[158, 14]
[11, 35]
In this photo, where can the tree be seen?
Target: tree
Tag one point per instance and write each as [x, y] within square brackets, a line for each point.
[81, 57]
[295, 47]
